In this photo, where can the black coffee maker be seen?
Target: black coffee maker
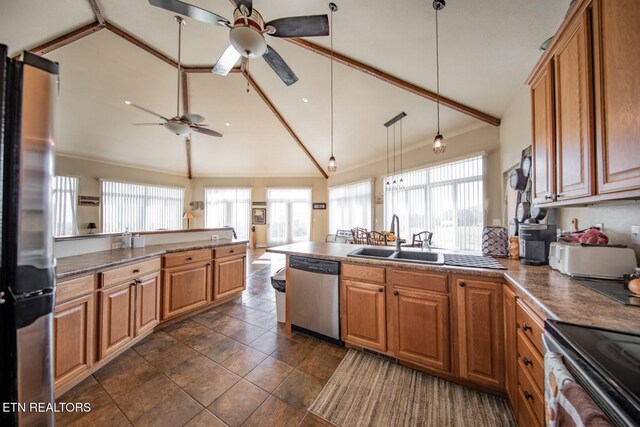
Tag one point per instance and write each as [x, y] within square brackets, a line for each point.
[534, 243]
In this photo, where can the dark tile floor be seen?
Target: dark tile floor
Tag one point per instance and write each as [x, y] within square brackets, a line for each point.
[231, 365]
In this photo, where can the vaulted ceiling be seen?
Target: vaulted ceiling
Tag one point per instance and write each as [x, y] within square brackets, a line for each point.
[486, 51]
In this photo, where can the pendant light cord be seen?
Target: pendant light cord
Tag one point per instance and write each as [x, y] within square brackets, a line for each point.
[437, 74]
[331, 82]
[387, 155]
[179, 53]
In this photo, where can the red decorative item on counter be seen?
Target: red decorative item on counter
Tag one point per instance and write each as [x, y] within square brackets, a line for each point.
[590, 236]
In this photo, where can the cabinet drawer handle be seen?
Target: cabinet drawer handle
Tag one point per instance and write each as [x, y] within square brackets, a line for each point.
[209, 264]
[526, 327]
[528, 395]
[137, 270]
[231, 252]
[137, 282]
[380, 289]
[396, 293]
[462, 284]
[548, 198]
[189, 258]
[527, 362]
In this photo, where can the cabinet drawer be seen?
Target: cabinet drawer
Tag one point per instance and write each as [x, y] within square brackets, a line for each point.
[172, 260]
[74, 288]
[530, 360]
[530, 324]
[129, 272]
[526, 414]
[364, 273]
[530, 395]
[425, 281]
[229, 251]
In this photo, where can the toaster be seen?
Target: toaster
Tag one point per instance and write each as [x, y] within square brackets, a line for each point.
[605, 262]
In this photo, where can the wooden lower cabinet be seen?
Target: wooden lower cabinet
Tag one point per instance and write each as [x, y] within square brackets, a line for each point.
[230, 276]
[147, 303]
[186, 288]
[117, 323]
[510, 345]
[364, 321]
[420, 327]
[73, 338]
[479, 314]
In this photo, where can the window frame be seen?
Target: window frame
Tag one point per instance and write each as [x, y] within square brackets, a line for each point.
[371, 206]
[249, 205]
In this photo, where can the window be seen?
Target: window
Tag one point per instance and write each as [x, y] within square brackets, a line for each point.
[447, 200]
[64, 200]
[288, 215]
[140, 207]
[228, 207]
[350, 206]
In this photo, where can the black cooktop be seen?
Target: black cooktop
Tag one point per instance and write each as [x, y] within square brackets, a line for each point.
[613, 289]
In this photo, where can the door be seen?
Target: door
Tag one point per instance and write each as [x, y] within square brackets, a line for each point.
[288, 215]
[147, 303]
[364, 321]
[186, 288]
[421, 327]
[73, 345]
[543, 137]
[510, 346]
[617, 48]
[574, 118]
[480, 331]
[229, 276]
[117, 321]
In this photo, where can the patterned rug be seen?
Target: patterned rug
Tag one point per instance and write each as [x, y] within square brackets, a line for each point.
[366, 390]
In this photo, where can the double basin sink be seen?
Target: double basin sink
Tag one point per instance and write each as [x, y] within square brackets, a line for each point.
[401, 256]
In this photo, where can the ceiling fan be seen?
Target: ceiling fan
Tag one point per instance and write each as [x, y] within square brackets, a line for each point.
[247, 33]
[181, 125]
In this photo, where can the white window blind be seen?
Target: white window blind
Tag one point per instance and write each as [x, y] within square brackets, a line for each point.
[140, 207]
[65, 205]
[228, 207]
[447, 200]
[288, 215]
[350, 206]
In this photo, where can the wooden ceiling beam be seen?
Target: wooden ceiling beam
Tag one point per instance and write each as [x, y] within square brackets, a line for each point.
[139, 43]
[97, 12]
[275, 111]
[65, 39]
[395, 81]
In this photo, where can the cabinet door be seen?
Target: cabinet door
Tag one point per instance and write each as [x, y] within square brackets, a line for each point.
[73, 345]
[147, 303]
[510, 346]
[117, 305]
[543, 137]
[480, 331]
[186, 288]
[229, 276]
[420, 329]
[574, 118]
[617, 41]
[364, 321]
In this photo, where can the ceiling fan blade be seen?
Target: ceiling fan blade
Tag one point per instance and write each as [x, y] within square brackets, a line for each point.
[193, 118]
[278, 65]
[247, 3]
[300, 26]
[209, 132]
[191, 11]
[146, 110]
[226, 61]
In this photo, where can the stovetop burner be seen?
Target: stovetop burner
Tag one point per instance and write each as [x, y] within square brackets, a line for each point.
[613, 289]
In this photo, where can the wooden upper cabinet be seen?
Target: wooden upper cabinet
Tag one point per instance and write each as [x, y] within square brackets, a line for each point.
[364, 315]
[543, 136]
[480, 331]
[421, 327]
[117, 305]
[186, 288]
[147, 303]
[617, 58]
[229, 276]
[573, 111]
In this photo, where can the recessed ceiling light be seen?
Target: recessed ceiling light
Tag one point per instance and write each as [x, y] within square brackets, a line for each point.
[227, 124]
[127, 102]
[305, 100]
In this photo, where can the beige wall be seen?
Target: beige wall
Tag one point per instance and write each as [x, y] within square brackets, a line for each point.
[485, 138]
[90, 172]
[516, 132]
[259, 194]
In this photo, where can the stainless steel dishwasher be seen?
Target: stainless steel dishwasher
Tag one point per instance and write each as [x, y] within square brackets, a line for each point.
[315, 303]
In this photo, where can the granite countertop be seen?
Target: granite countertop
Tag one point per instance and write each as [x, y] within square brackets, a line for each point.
[553, 294]
[78, 264]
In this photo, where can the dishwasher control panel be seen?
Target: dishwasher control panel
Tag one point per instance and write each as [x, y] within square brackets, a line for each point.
[314, 265]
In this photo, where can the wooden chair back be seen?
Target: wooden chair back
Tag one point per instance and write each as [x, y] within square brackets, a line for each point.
[420, 237]
[360, 236]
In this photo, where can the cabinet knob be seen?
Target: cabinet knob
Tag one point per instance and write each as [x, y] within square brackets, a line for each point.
[380, 289]
[208, 264]
[137, 270]
[189, 258]
[548, 197]
[528, 395]
[231, 251]
[396, 293]
[137, 282]
[526, 327]
[462, 284]
[527, 362]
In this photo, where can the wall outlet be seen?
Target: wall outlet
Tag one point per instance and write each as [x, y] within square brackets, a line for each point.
[600, 226]
[635, 234]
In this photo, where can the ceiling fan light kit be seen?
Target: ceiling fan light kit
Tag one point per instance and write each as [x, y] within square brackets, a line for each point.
[439, 143]
[332, 167]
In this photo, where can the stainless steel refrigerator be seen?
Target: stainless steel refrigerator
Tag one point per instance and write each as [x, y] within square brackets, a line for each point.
[28, 89]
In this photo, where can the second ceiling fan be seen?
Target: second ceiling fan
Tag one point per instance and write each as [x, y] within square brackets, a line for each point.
[247, 33]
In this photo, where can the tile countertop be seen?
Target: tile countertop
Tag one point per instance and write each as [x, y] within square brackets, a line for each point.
[552, 293]
[69, 266]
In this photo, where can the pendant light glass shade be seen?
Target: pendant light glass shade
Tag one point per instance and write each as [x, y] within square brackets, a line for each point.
[332, 167]
[178, 128]
[439, 144]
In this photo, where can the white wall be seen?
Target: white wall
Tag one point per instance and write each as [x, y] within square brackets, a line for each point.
[516, 132]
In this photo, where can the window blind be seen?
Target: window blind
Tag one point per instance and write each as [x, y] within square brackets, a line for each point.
[140, 207]
[288, 215]
[447, 200]
[350, 206]
[228, 207]
[65, 205]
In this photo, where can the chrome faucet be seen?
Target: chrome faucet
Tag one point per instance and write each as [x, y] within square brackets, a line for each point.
[395, 220]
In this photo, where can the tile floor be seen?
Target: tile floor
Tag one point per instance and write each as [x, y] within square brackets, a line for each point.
[231, 365]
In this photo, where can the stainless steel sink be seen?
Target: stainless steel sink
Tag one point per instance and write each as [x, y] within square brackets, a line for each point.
[401, 256]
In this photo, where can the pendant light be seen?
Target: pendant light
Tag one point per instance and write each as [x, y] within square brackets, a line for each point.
[439, 143]
[332, 166]
[395, 185]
